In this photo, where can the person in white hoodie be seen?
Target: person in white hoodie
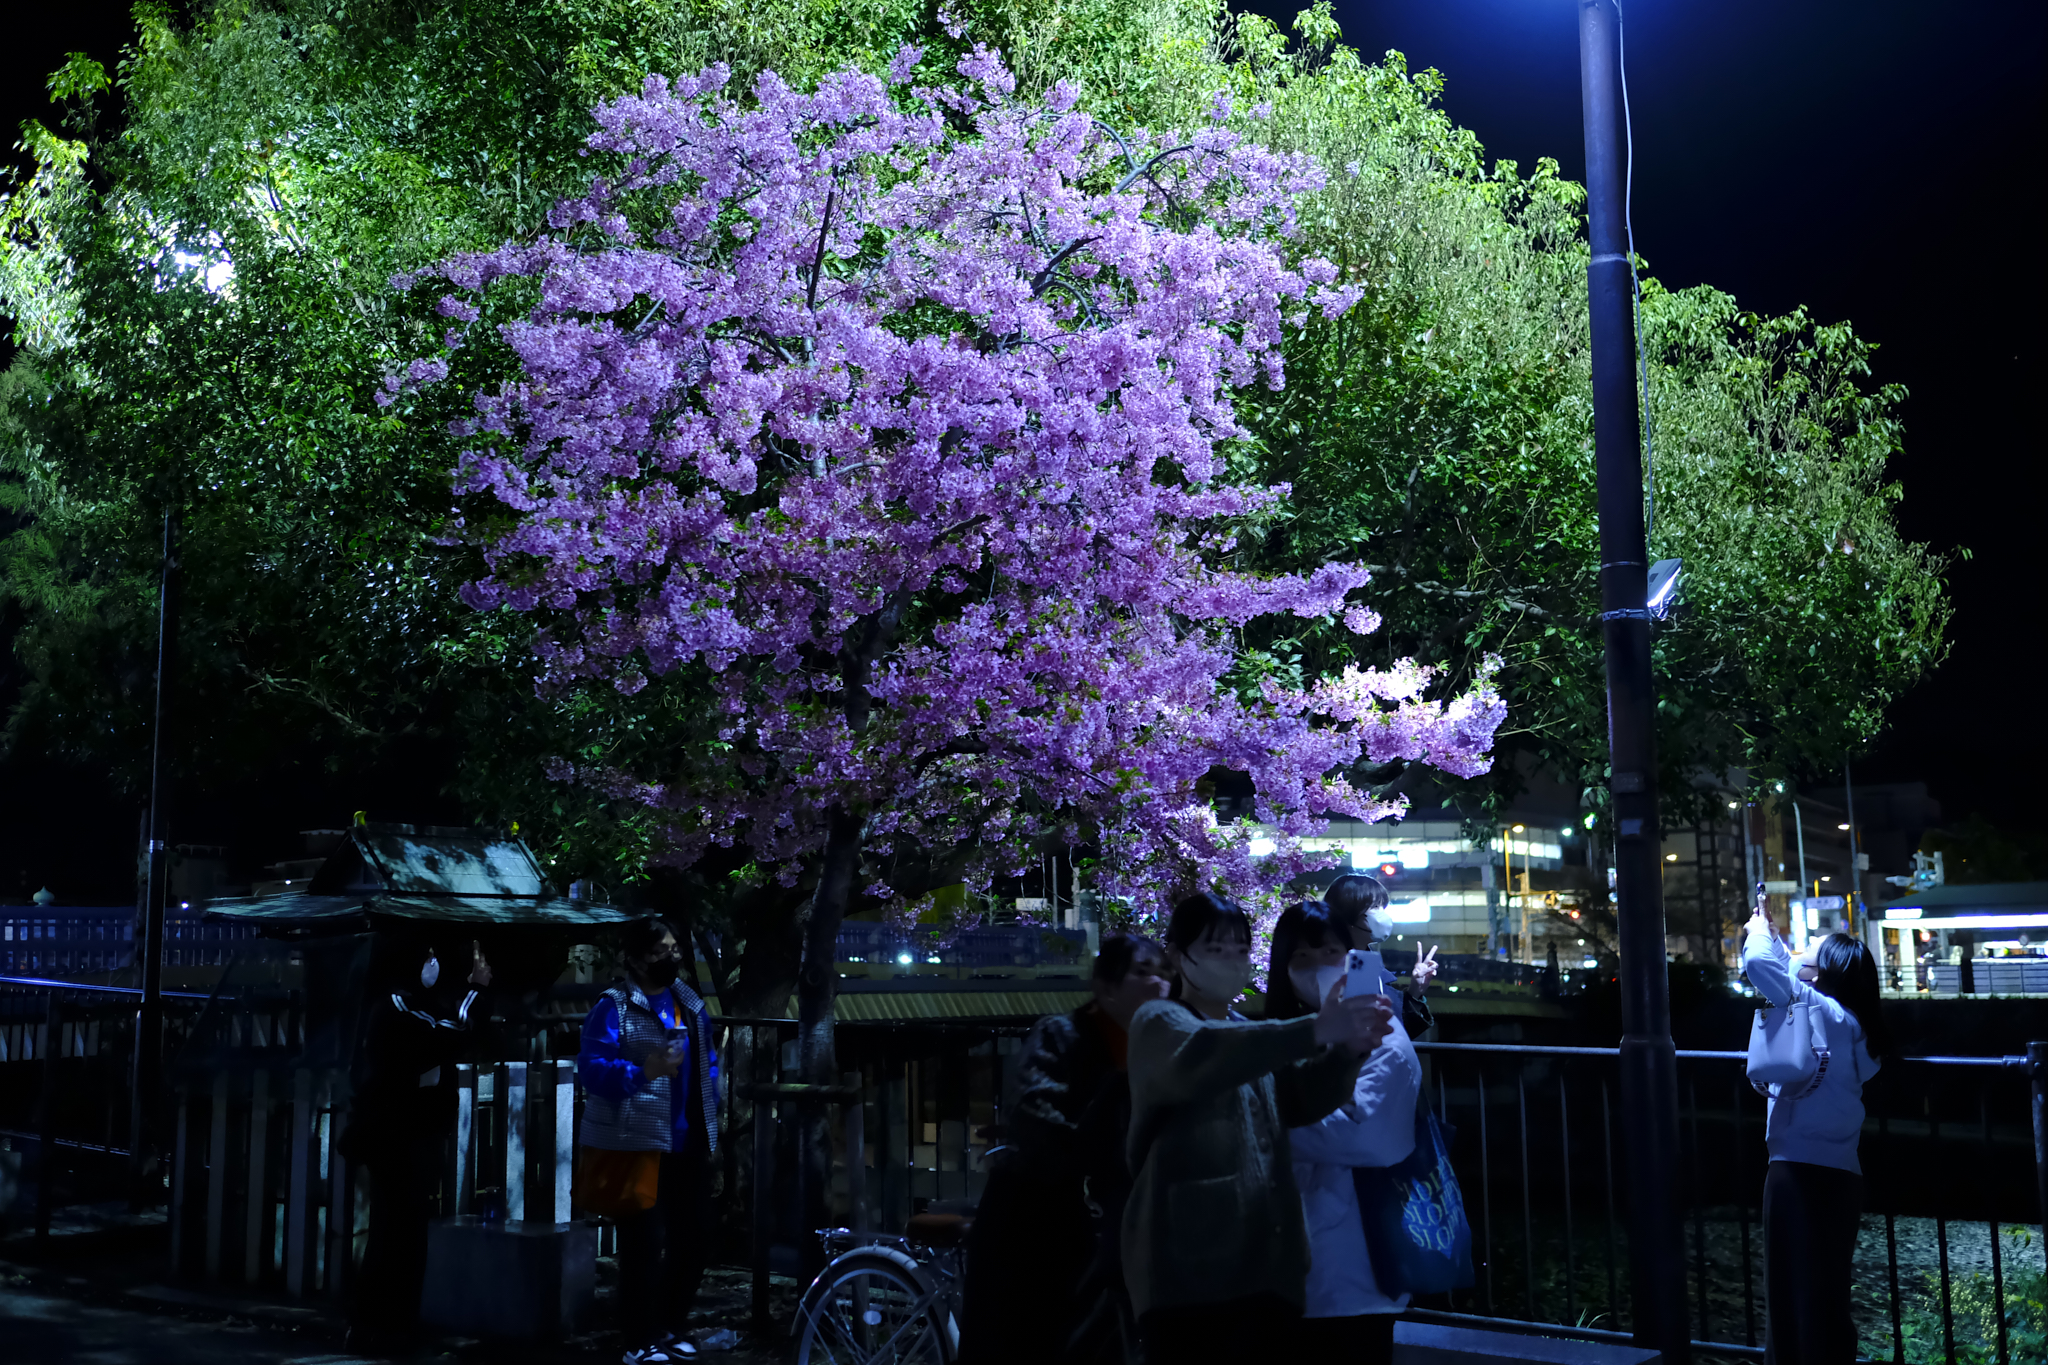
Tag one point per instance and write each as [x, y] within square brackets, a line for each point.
[1814, 1191]
[1349, 1314]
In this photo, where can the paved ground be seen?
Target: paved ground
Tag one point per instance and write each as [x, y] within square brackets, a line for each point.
[98, 1298]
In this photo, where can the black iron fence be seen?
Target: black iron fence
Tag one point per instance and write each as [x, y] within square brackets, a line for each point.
[1949, 1261]
[1948, 1268]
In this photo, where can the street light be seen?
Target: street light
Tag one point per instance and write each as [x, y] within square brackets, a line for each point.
[1649, 1062]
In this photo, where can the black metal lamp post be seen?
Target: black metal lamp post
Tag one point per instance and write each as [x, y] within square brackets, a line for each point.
[1649, 1064]
[145, 1076]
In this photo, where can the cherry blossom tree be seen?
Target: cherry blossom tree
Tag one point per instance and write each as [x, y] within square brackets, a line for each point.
[899, 419]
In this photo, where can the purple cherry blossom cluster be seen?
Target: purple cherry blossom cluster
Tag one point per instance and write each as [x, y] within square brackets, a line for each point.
[901, 414]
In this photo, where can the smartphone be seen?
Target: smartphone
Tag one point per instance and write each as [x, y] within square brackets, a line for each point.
[1365, 974]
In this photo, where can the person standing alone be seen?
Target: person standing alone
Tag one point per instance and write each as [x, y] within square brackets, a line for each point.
[650, 1127]
[403, 1113]
[1814, 1191]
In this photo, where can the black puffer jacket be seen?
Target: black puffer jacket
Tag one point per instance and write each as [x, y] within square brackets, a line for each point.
[1034, 1236]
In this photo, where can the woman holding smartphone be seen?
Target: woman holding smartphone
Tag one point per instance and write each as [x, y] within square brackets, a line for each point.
[1814, 1191]
[1349, 1313]
[1214, 1251]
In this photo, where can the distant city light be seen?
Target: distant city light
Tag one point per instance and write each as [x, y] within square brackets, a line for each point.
[1261, 847]
[904, 958]
[1844, 825]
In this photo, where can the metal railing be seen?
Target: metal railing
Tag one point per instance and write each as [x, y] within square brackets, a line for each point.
[40, 940]
[1952, 1177]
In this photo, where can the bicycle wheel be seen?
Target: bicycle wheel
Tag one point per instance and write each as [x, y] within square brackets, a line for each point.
[869, 1308]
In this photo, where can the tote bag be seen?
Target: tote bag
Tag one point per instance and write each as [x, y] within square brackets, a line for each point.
[1414, 1216]
[1788, 1049]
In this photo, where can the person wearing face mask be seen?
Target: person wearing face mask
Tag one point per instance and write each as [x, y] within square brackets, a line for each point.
[1033, 1236]
[650, 1127]
[1349, 1313]
[401, 1114]
[1358, 906]
[1813, 1193]
[1215, 1252]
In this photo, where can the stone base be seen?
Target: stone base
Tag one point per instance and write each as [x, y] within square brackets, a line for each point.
[512, 1281]
[1429, 1343]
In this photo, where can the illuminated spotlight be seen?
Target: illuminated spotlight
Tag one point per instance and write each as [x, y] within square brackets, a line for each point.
[1390, 869]
[1732, 806]
[1663, 586]
[1520, 828]
[904, 958]
[1671, 857]
[1842, 826]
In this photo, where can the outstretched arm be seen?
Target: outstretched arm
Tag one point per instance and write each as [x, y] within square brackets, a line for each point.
[1175, 1056]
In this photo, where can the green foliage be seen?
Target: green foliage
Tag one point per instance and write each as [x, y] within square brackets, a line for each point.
[315, 148]
[1442, 431]
[1974, 1303]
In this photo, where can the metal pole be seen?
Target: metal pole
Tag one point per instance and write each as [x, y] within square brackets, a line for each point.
[1855, 860]
[2037, 1067]
[1799, 923]
[1649, 1064]
[149, 933]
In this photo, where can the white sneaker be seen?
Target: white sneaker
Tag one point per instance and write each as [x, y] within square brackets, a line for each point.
[661, 1353]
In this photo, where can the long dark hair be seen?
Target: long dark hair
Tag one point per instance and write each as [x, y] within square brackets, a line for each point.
[1311, 924]
[1198, 916]
[1844, 969]
[1351, 898]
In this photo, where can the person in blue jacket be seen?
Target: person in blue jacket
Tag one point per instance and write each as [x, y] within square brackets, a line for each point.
[650, 1082]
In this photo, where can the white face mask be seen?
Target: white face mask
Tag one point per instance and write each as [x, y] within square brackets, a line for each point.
[430, 973]
[1223, 980]
[1379, 925]
[1313, 984]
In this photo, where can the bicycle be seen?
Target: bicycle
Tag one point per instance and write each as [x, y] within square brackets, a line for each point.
[886, 1300]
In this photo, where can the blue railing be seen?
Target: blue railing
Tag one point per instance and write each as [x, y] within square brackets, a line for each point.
[38, 940]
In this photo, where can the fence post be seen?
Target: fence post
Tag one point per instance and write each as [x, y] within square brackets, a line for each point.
[46, 1120]
[465, 1137]
[341, 1199]
[764, 1207]
[856, 1155]
[515, 1141]
[217, 1173]
[2037, 1067]
[181, 1172]
[298, 1204]
[565, 1137]
[256, 1251]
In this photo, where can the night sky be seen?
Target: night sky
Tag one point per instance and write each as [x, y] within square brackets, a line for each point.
[1873, 160]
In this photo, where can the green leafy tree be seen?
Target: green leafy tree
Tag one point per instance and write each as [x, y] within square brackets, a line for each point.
[202, 306]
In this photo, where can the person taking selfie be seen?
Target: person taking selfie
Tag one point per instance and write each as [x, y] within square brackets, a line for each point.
[650, 1126]
[1214, 1249]
[1814, 1189]
[1348, 1314]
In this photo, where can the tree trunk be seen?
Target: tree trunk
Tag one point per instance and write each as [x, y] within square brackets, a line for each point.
[817, 991]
